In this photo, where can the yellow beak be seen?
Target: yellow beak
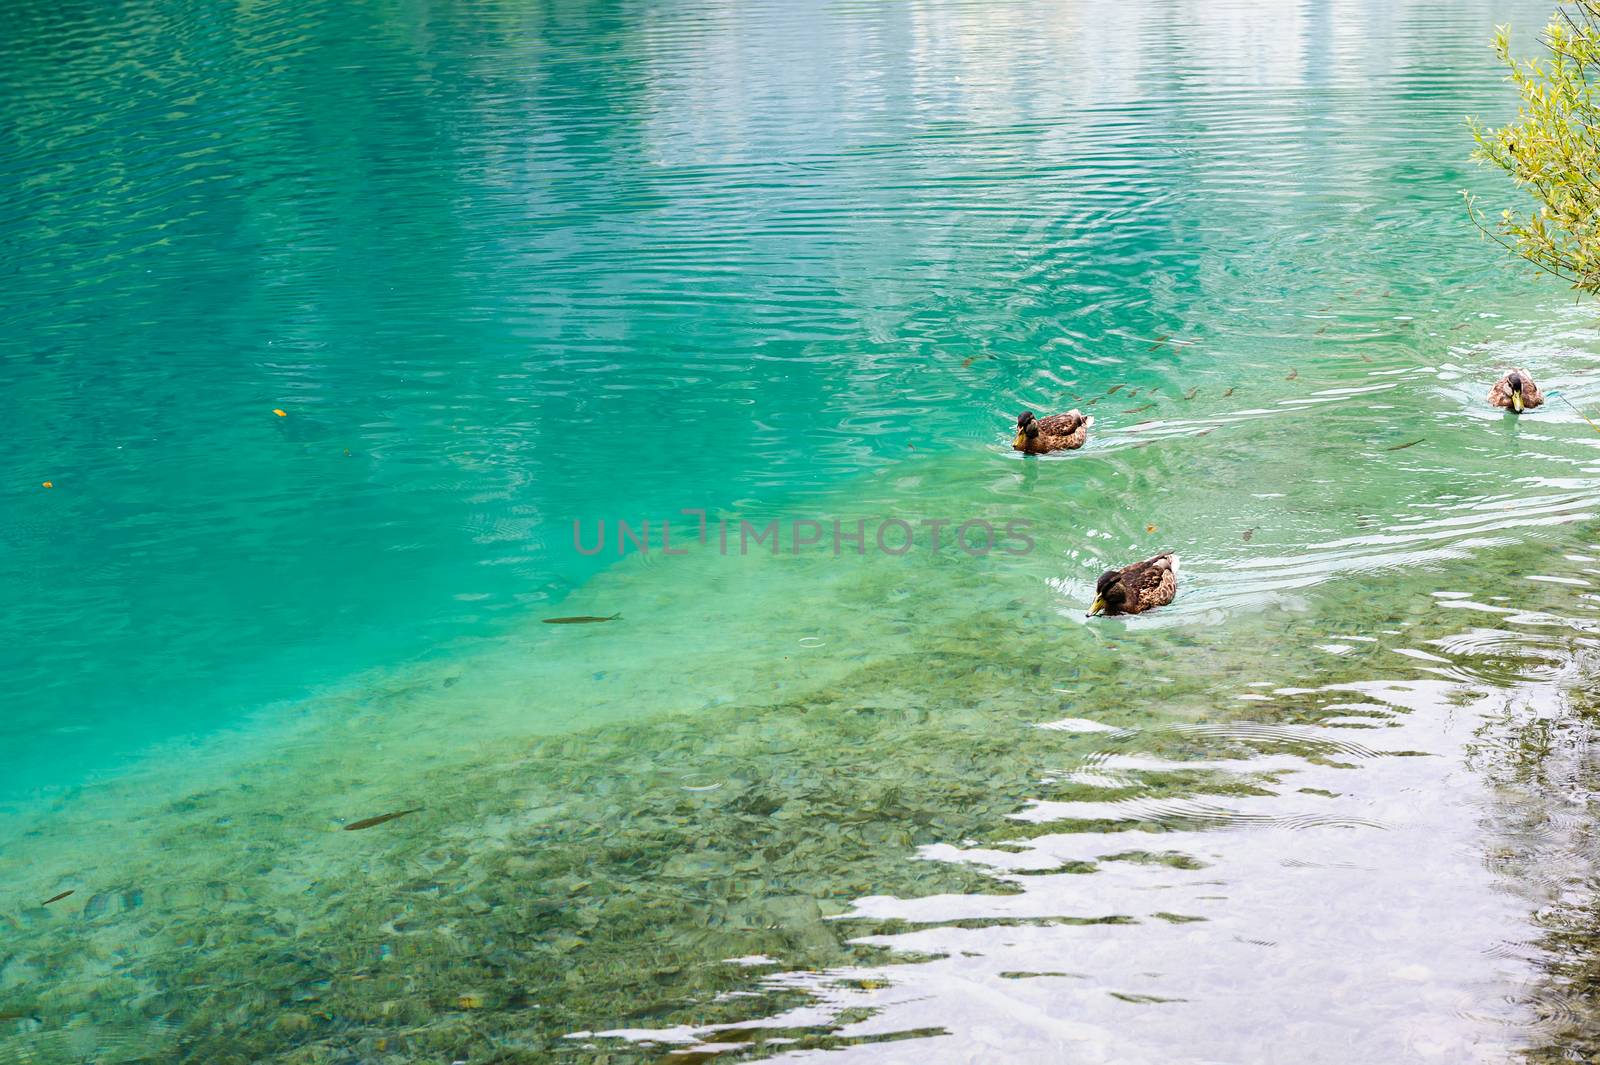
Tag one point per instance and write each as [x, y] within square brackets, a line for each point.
[1020, 442]
[1098, 605]
[1516, 401]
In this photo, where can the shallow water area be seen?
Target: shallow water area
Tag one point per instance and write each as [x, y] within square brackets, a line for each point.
[792, 271]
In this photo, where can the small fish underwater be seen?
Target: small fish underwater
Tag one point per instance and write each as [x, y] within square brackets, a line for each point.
[373, 822]
[581, 619]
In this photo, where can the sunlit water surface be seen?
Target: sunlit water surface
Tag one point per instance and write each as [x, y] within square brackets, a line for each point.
[509, 266]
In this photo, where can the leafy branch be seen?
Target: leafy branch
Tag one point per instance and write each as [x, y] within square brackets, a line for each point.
[1552, 149]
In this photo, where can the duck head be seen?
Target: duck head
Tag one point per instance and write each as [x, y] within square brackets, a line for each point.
[1027, 429]
[1514, 382]
[1110, 597]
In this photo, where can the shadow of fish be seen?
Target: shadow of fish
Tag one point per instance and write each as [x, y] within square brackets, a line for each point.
[1137, 410]
[581, 619]
[373, 822]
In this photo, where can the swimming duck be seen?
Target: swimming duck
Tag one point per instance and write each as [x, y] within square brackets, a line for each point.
[1137, 588]
[1515, 391]
[1058, 432]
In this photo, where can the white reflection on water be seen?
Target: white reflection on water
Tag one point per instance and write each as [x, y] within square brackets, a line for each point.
[1345, 918]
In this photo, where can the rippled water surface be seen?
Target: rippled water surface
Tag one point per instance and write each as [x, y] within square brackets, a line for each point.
[510, 268]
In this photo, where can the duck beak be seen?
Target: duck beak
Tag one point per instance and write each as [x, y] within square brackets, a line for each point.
[1098, 605]
[1021, 441]
[1516, 401]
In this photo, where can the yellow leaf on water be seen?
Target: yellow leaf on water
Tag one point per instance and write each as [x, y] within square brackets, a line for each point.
[279, 413]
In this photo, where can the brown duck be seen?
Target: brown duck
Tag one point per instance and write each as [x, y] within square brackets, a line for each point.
[1137, 588]
[1515, 392]
[1058, 432]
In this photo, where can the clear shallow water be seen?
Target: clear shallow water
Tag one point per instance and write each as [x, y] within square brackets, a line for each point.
[511, 266]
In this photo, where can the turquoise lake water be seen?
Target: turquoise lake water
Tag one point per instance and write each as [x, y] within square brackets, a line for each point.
[513, 269]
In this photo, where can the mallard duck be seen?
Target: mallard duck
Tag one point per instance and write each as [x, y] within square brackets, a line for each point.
[1058, 432]
[1515, 391]
[1137, 588]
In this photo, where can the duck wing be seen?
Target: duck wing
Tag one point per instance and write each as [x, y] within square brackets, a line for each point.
[1500, 392]
[1152, 582]
[1061, 424]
